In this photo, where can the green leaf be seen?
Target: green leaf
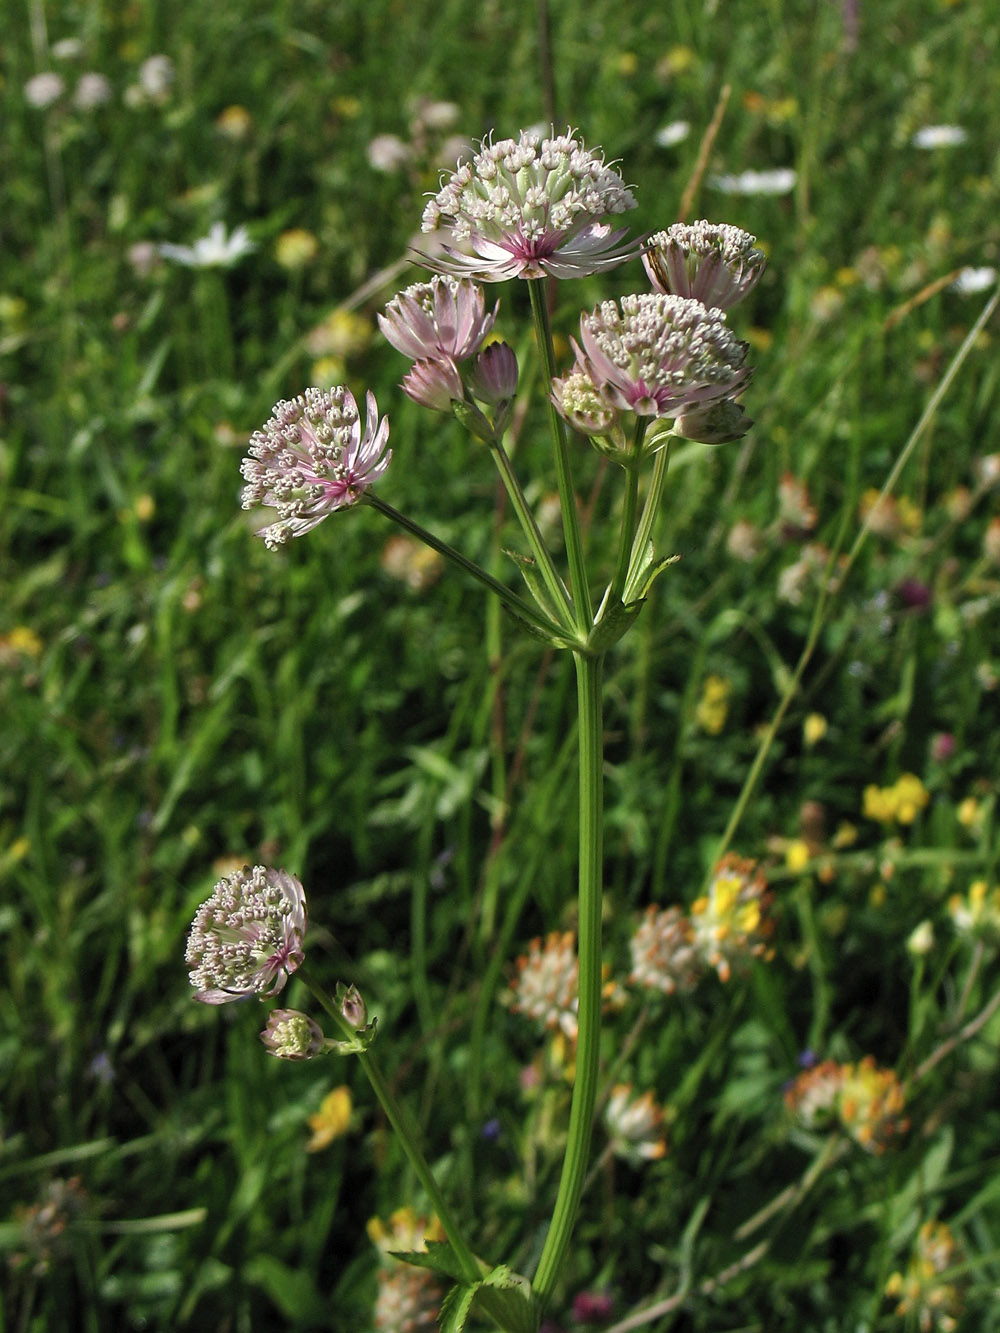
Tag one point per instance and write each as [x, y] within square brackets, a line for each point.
[644, 573]
[536, 587]
[506, 1297]
[291, 1289]
[455, 1309]
[439, 1257]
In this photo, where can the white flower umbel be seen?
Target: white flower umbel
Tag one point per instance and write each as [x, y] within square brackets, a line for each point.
[530, 206]
[247, 938]
[657, 355]
[216, 250]
[929, 137]
[714, 263]
[312, 458]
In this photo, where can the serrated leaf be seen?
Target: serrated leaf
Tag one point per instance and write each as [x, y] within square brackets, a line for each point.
[455, 1309]
[439, 1257]
[506, 1297]
[536, 585]
[644, 572]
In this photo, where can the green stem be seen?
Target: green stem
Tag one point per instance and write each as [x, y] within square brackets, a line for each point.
[651, 508]
[567, 497]
[404, 1127]
[557, 589]
[589, 676]
[510, 599]
[630, 508]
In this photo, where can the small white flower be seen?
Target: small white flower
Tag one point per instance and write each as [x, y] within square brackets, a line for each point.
[778, 180]
[216, 250]
[92, 90]
[68, 48]
[44, 89]
[939, 136]
[156, 77]
[388, 152]
[973, 280]
[676, 132]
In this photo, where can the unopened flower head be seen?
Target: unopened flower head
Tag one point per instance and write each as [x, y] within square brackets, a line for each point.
[731, 922]
[580, 403]
[714, 423]
[435, 384]
[247, 938]
[664, 956]
[292, 1035]
[658, 355]
[716, 264]
[445, 317]
[493, 376]
[635, 1124]
[311, 458]
[528, 207]
[546, 986]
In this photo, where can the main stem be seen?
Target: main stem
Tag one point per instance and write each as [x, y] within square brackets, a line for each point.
[589, 678]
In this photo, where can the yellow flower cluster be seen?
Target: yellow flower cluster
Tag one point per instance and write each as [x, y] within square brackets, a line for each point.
[866, 1100]
[978, 913]
[731, 921]
[408, 1298]
[331, 1120]
[936, 1304]
[901, 802]
[713, 706]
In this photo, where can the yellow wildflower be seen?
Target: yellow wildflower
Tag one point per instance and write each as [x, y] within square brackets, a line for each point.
[331, 1120]
[710, 714]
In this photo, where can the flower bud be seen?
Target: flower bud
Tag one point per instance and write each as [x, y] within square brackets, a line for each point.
[716, 423]
[291, 1035]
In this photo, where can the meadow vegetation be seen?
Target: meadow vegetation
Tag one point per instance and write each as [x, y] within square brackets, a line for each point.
[798, 1132]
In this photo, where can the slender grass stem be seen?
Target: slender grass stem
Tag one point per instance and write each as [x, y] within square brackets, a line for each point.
[404, 1127]
[589, 675]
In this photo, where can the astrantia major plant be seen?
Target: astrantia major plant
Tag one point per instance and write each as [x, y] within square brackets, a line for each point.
[649, 367]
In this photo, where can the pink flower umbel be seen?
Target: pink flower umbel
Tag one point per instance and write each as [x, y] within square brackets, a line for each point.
[440, 318]
[658, 355]
[714, 263]
[530, 206]
[247, 938]
[311, 458]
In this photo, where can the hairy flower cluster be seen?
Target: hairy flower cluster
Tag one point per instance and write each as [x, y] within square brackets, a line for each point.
[635, 1123]
[713, 263]
[657, 355]
[866, 1100]
[440, 325]
[528, 207]
[311, 458]
[546, 985]
[408, 1298]
[664, 954]
[247, 938]
[920, 1292]
[731, 922]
